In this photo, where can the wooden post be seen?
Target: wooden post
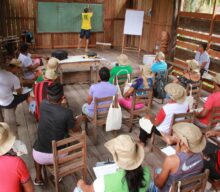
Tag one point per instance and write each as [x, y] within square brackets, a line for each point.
[212, 23]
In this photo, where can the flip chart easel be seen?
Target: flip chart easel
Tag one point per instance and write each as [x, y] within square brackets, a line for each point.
[134, 20]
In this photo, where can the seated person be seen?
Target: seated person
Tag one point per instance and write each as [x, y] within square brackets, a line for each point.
[40, 89]
[130, 177]
[159, 64]
[162, 124]
[99, 90]
[122, 67]
[28, 65]
[187, 161]
[51, 64]
[211, 152]
[203, 58]
[202, 118]
[14, 173]
[144, 81]
[10, 83]
[191, 75]
[54, 124]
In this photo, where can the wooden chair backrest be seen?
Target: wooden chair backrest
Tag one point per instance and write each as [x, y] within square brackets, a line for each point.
[121, 79]
[145, 99]
[196, 183]
[102, 103]
[214, 118]
[69, 154]
[196, 91]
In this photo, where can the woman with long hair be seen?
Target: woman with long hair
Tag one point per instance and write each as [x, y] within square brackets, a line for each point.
[130, 177]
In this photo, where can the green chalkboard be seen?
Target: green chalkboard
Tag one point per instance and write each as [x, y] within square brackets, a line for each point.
[53, 17]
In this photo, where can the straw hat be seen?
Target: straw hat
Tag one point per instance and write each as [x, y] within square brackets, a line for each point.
[16, 63]
[52, 63]
[216, 79]
[193, 65]
[123, 60]
[127, 154]
[176, 92]
[160, 56]
[50, 74]
[191, 136]
[7, 139]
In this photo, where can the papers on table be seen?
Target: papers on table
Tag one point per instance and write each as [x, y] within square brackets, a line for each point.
[146, 125]
[169, 150]
[80, 58]
[26, 90]
[105, 169]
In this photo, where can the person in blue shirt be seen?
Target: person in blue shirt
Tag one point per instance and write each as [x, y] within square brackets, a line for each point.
[160, 64]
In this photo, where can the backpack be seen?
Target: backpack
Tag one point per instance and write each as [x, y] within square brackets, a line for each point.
[160, 83]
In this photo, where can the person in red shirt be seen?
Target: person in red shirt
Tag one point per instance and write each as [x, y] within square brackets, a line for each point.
[213, 100]
[14, 175]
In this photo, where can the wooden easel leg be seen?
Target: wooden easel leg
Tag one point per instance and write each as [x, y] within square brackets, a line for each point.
[123, 43]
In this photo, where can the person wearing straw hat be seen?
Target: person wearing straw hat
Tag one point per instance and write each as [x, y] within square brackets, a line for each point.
[39, 90]
[159, 64]
[161, 125]
[187, 161]
[122, 67]
[191, 75]
[10, 83]
[51, 64]
[130, 177]
[14, 173]
[213, 100]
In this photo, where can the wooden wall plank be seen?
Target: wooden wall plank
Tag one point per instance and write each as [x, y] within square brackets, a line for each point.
[196, 15]
[193, 34]
[187, 45]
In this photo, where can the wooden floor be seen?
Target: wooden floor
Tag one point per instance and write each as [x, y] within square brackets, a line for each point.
[77, 95]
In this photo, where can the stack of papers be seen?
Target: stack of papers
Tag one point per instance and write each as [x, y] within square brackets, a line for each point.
[105, 169]
[169, 150]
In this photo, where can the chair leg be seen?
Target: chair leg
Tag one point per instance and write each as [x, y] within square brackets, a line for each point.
[86, 126]
[84, 172]
[56, 184]
[130, 124]
[95, 134]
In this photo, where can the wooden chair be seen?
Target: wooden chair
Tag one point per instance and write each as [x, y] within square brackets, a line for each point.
[69, 156]
[145, 99]
[99, 118]
[196, 91]
[196, 183]
[177, 118]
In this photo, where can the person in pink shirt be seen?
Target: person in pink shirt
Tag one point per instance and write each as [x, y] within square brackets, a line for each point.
[14, 175]
[213, 100]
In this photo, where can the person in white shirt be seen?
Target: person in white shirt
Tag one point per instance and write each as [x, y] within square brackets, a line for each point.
[10, 83]
[203, 58]
[27, 64]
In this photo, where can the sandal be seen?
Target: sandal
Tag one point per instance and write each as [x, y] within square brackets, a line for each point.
[38, 183]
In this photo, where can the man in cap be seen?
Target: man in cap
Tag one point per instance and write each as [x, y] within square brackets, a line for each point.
[187, 161]
[14, 173]
[213, 100]
[10, 83]
[162, 124]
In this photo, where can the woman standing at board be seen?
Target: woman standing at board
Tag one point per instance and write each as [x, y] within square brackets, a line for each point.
[86, 27]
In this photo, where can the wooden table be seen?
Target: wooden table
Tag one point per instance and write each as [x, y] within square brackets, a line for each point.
[80, 68]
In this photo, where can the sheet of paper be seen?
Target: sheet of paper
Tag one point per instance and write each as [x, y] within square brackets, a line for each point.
[26, 90]
[169, 150]
[105, 169]
[80, 58]
[204, 99]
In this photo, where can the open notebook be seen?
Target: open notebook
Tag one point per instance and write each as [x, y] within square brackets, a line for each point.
[105, 169]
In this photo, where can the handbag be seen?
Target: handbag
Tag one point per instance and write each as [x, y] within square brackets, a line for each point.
[190, 99]
[114, 117]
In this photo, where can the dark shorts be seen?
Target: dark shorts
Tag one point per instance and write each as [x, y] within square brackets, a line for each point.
[17, 100]
[86, 33]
